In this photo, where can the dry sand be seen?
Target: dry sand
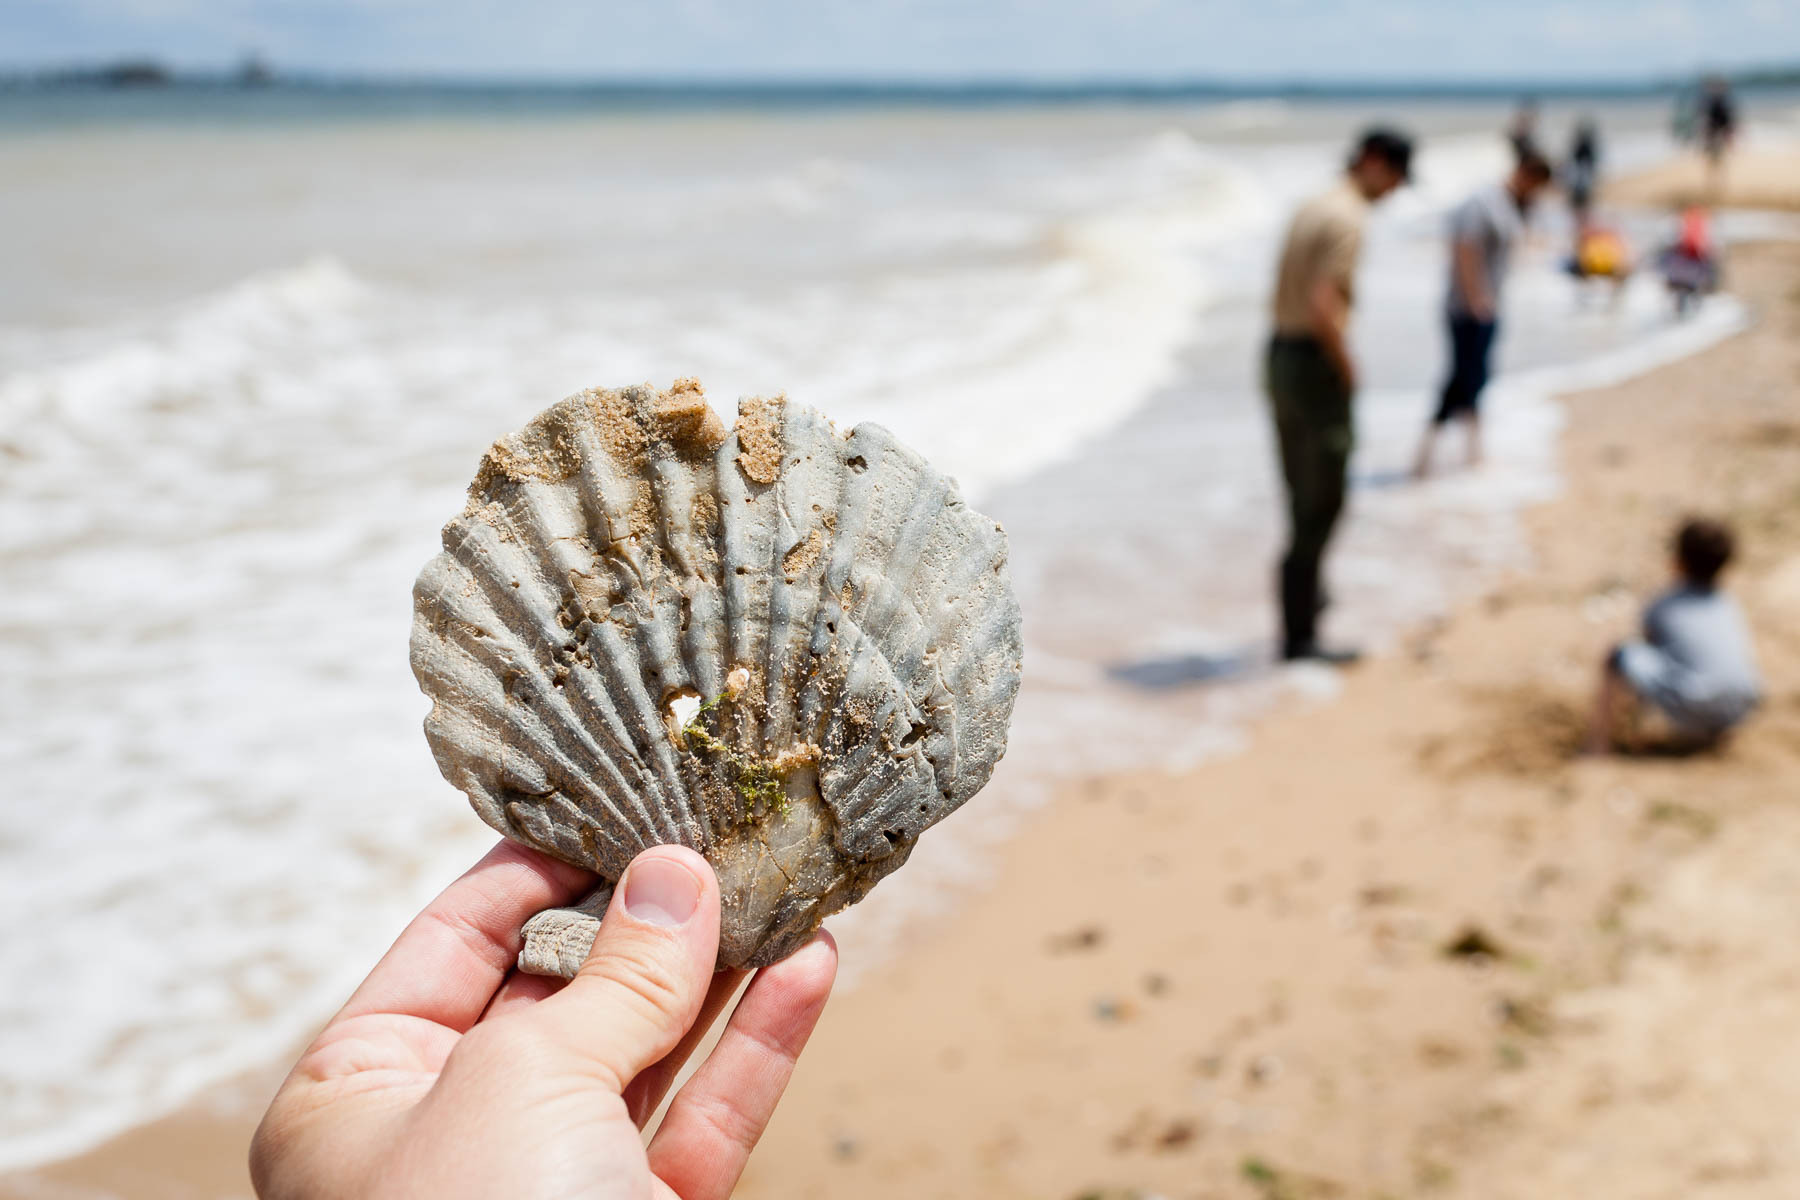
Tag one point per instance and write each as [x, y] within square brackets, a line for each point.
[1752, 176]
[1405, 945]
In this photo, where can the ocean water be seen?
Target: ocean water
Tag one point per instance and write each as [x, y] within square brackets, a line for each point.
[248, 364]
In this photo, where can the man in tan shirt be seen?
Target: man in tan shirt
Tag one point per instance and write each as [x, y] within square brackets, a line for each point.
[1311, 377]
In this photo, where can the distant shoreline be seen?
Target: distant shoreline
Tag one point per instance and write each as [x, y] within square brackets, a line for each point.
[151, 76]
[144, 92]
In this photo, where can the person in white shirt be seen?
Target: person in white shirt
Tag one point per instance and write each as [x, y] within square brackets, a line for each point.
[1483, 229]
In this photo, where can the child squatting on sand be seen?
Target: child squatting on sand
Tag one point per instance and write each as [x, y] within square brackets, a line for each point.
[1694, 664]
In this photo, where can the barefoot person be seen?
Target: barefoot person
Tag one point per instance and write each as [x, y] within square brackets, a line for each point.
[1483, 229]
[1695, 664]
[1311, 377]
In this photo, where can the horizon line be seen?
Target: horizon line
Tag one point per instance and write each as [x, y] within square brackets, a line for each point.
[148, 71]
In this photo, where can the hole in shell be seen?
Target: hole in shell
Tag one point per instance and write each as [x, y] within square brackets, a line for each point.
[892, 835]
[858, 463]
[913, 735]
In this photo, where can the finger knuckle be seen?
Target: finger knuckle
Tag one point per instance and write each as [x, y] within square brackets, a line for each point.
[727, 1123]
[645, 980]
[777, 1050]
[463, 924]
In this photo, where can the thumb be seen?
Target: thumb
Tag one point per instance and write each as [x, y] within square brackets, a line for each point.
[643, 982]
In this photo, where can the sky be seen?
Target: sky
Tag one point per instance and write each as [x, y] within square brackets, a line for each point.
[1248, 40]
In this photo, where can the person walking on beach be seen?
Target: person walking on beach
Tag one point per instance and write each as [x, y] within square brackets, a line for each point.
[1718, 126]
[1521, 131]
[1581, 174]
[1483, 229]
[1310, 376]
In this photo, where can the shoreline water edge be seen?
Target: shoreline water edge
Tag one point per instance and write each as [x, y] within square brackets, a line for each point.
[1108, 685]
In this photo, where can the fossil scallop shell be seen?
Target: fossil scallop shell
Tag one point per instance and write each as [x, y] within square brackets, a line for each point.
[789, 648]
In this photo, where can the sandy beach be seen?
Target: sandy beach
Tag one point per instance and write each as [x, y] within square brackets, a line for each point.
[1755, 176]
[1405, 944]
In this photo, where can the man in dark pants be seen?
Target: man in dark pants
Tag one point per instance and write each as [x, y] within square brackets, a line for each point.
[1483, 229]
[1311, 377]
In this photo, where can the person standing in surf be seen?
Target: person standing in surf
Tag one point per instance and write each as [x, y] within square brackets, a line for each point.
[1483, 229]
[1310, 376]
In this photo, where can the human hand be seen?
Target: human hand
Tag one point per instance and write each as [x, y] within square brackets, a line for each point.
[450, 1075]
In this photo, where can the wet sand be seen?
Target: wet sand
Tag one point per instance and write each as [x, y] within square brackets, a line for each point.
[1405, 944]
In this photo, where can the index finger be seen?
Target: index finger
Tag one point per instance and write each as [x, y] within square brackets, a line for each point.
[449, 961]
[715, 1121]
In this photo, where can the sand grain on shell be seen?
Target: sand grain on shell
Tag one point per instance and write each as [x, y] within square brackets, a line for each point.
[799, 560]
[759, 439]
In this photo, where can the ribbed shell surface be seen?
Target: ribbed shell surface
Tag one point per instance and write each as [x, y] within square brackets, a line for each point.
[845, 620]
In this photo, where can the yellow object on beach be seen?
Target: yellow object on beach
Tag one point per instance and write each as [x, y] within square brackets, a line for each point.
[1602, 253]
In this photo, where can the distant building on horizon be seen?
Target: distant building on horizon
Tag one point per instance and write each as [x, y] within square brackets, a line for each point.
[254, 71]
[125, 73]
